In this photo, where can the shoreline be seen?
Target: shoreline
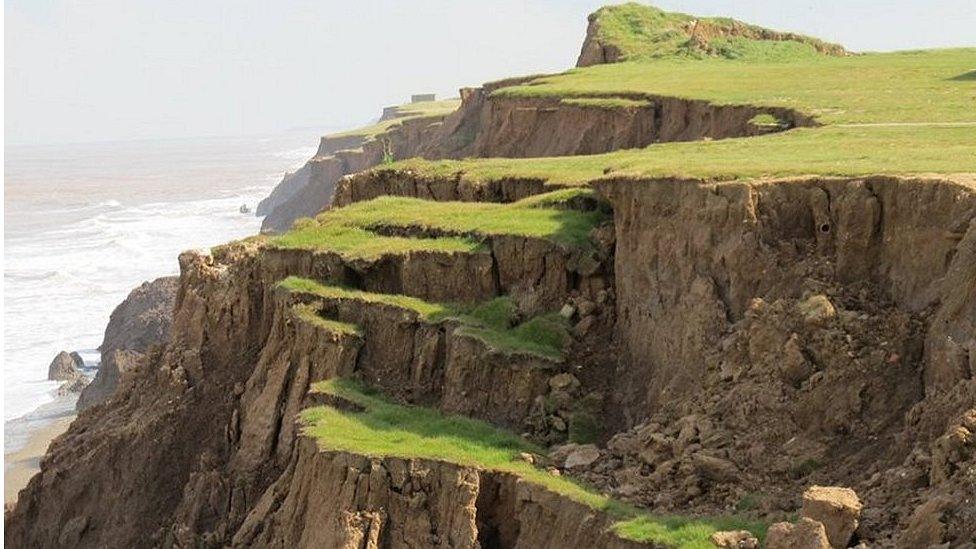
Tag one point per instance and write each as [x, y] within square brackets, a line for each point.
[33, 433]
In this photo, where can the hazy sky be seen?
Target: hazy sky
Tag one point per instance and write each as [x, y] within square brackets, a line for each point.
[90, 70]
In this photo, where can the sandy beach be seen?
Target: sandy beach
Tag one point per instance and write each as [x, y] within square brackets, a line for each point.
[24, 461]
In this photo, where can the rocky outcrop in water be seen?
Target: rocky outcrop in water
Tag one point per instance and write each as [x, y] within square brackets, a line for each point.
[65, 367]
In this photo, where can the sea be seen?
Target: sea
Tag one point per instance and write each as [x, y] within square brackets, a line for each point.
[86, 223]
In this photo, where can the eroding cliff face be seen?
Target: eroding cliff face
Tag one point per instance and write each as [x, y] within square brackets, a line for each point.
[702, 252]
[490, 124]
[341, 500]
[310, 190]
[815, 330]
[537, 127]
[200, 445]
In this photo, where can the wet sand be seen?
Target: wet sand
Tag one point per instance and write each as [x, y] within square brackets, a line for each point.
[21, 464]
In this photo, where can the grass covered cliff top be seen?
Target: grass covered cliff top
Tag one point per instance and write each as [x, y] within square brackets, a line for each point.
[639, 31]
[910, 112]
[409, 111]
[383, 428]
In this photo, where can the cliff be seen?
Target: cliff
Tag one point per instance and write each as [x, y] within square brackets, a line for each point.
[491, 123]
[599, 311]
[141, 321]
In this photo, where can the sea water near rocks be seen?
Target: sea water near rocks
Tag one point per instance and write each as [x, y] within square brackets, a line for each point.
[86, 223]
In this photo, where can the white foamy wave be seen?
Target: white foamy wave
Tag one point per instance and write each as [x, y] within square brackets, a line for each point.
[67, 265]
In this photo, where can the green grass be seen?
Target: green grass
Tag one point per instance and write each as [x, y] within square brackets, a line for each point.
[914, 86]
[408, 111]
[427, 310]
[354, 242]
[839, 151]
[387, 429]
[348, 230]
[309, 313]
[496, 323]
[645, 32]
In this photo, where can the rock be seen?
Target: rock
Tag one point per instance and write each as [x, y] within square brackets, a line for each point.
[715, 469]
[143, 319]
[582, 456]
[953, 447]
[65, 367]
[627, 490]
[585, 307]
[805, 534]
[526, 457]
[110, 372]
[72, 531]
[567, 311]
[584, 326]
[838, 509]
[794, 366]
[75, 385]
[558, 423]
[735, 539]
[563, 382]
[925, 528]
[816, 309]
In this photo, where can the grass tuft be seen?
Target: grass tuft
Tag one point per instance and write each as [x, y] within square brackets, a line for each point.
[495, 323]
[309, 313]
[383, 428]
[351, 231]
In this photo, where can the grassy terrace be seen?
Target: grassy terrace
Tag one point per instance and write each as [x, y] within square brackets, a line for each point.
[408, 111]
[829, 150]
[496, 323]
[387, 429]
[892, 113]
[350, 231]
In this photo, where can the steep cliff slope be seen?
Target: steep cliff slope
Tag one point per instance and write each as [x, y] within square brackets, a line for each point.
[400, 133]
[142, 320]
[710, 336]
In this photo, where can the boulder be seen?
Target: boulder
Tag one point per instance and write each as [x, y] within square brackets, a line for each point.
[817, 309]
[838, 509]
[563, 382]
[574, 455]
[65, 367]
[805, 534]
[735, 539]
[714, 468]
[582, 456]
